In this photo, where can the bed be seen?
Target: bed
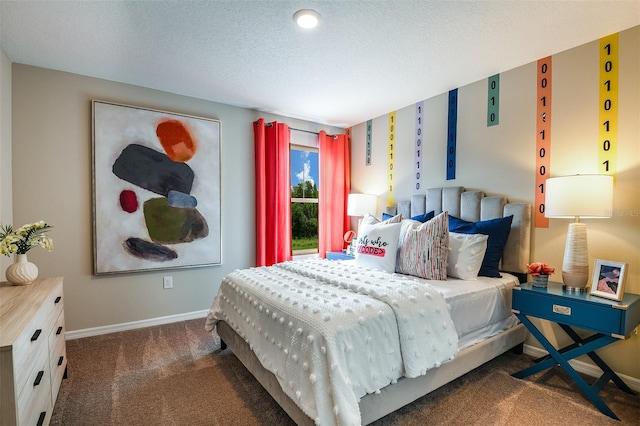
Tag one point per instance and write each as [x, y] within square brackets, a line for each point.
[348, 343]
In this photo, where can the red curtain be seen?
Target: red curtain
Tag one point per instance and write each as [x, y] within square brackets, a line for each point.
[335, 182]
[273, 193]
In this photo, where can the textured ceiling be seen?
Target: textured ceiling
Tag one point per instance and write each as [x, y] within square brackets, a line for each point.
[365, 59]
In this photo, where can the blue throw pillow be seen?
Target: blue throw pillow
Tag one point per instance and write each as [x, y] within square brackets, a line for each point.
[420, 218]
[498, 232]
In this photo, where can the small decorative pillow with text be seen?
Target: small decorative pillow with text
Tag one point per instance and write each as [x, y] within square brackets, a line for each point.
[498, 231]
[466, 252]
[422, 248]
[378, 243]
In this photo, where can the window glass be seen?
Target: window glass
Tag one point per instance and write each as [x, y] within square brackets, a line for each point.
[304, 199]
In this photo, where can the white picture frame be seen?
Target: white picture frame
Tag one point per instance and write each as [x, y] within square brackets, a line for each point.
[608, 279]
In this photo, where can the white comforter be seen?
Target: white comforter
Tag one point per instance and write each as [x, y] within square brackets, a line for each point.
[333, 332]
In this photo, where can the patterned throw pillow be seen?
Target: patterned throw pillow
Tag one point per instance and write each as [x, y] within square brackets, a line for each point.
[377, 245]
[422, 248]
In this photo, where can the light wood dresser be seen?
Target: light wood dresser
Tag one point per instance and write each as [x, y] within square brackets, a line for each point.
[33, 357]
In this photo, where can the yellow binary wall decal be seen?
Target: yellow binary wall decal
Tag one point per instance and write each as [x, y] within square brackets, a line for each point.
[392, 142]
[543, 139]
[608, 117]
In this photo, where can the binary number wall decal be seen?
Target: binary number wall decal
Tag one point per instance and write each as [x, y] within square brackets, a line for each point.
[392, 142]
[608, 110]
[452, 128]
[368, 143]
[493, 101]
[543, 139]
[419, 151]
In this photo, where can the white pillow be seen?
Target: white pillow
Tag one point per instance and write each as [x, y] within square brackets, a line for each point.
[466, 252]
[377, 244]
[422, 248]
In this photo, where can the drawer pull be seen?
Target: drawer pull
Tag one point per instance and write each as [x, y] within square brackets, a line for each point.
[60, 360]
[562, 310]
[59, 330]
[36, 335]
[58, 299]
[43, 415]
[38, 378]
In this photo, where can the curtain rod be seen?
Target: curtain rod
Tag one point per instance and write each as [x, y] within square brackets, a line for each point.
[300, 130]
[305, 131]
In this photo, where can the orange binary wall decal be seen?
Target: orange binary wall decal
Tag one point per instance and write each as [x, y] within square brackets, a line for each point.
[543, 139]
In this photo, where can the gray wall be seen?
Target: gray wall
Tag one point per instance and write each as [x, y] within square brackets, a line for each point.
[52, 181]
[5, 148]
[501, 159]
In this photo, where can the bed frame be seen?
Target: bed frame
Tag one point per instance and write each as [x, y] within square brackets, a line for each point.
[467, 205]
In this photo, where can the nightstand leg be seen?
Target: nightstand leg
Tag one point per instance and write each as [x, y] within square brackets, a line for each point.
[563, 362]
[609, 374]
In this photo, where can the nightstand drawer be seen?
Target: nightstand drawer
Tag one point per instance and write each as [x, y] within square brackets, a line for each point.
[590, 316]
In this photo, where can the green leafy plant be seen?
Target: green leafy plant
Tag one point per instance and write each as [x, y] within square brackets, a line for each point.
[23, 239]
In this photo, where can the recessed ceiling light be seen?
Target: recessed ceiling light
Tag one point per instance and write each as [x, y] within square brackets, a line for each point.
[307, 18]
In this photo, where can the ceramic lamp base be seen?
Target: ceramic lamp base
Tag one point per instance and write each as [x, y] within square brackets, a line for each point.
[575, 265]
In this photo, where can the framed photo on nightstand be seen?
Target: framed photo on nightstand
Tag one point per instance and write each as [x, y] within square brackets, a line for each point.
[608, 279]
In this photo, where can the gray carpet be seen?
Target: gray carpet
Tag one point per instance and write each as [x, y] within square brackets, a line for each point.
[175, 374]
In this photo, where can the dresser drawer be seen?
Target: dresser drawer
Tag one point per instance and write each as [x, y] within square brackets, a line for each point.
[34, 338]
[40, 412]
[27, 351]
[597, 317]
[36, 392]
[57, 355]
[53, 306]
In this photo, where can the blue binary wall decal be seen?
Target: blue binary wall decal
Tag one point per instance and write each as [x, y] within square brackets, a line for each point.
[451, 134]
[493, 101]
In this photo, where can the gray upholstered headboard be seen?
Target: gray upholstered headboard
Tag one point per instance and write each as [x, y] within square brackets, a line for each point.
[473, 206]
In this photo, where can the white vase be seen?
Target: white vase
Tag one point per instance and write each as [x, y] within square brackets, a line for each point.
[21, 272]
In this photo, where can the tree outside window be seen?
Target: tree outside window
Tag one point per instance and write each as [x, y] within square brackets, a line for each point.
[304, 199]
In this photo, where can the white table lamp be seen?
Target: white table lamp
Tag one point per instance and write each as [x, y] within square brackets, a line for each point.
[578, 197]
[359, 205]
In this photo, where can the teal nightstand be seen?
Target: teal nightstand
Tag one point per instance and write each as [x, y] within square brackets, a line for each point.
[610, 320]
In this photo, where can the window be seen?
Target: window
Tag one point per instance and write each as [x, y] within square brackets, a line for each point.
[304, 199]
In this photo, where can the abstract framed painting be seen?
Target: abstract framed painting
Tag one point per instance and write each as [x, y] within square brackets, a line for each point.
[156, 189]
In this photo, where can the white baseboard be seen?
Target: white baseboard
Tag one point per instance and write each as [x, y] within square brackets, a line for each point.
[96, 331]
[584, 367]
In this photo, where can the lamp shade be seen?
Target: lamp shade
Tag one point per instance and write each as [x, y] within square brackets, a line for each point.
[582, 196]
[361, 204]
